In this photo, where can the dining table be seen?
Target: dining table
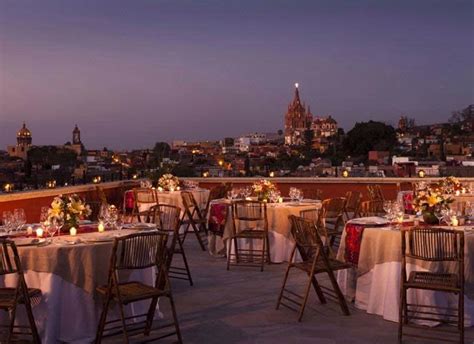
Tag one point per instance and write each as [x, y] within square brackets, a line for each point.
[373, 247]
[68, 269]
[279, 228]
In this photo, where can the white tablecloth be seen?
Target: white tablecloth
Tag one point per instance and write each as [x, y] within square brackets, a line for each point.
[279, 230]
[378, 290]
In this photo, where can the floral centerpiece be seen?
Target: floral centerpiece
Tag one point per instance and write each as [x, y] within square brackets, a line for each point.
[263, 189]
[68, 209]
[429, 202]
[450, 185]
[168, 182]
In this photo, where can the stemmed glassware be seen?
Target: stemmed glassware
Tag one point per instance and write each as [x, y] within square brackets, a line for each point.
[7, 220]
[112, 216]
[388, 207]
[295, 194]
[19, 218]
[247, 192]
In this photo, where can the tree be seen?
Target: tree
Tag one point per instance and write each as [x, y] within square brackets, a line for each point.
[368, 136]
[160, 151]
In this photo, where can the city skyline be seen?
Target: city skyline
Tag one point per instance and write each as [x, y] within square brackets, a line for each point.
[130, 74]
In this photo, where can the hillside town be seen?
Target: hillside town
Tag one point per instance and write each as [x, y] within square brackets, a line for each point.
[308, 146]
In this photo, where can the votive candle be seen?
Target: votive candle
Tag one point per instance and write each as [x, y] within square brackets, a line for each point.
[454, 221]
[73, 231]
[280, 199]
[39, 232]
[458, 192]
[29, 230]
[160, 189]
[101, 227]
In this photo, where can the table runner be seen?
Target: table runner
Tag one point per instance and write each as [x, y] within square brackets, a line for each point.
[217, 218]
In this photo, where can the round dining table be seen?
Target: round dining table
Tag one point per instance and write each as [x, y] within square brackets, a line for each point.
[68, 270]
[374, 282]
[279, 229]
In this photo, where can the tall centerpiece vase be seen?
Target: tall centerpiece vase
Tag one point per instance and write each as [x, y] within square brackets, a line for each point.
[430, 218]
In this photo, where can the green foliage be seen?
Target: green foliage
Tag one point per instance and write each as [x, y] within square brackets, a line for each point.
[46, 156]
[368, 136]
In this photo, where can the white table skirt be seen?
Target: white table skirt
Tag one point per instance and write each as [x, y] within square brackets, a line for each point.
[69, 314]
[378, 292]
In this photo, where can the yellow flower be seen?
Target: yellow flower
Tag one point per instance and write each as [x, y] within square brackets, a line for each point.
[433, 200]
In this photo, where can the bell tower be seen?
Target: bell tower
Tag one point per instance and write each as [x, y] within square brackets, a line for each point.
[76, 136]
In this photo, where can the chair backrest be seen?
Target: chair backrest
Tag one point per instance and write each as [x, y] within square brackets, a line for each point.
[139, 251]
[310, 214]
[314, 194]
[189, 201]
[245, 210]
[372, 208]
[308, 242]
[433, 244]
[9, 259]
[145, 196]
[353, 199]
[333, 207]
[218, 192]
[166, 217]
[375, 193]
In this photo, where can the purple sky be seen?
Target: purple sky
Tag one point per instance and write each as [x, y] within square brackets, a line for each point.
[134, 72]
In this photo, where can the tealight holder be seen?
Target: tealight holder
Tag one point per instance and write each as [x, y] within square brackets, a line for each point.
[39, 232]
[101, 227]
[73, 231]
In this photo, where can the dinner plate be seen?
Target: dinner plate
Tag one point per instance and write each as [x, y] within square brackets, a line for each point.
[372, 220]
[102, 238]
[139, 226]
[29, 241]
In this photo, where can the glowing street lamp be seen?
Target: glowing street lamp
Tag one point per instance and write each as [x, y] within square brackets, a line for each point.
[8, 187]
[421, 173]
[345, 173]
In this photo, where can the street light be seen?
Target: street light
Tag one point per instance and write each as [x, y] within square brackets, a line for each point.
[421, 173]
[345, 173]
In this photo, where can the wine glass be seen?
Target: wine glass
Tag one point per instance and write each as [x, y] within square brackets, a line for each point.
[20, 218]
[44, 214]
[247, 192]
[103, 213]
[112, 216]
[51, 228]
[7, 219]
[292, 194]
[387, 207]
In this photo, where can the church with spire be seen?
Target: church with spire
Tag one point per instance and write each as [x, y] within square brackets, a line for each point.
[298, 119]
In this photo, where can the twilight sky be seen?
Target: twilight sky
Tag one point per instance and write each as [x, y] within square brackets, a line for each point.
[134, 72]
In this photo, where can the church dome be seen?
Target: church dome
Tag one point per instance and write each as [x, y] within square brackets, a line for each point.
[24, 132]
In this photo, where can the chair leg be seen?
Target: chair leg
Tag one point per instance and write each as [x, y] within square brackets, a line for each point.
[11, 325]
[306, 294]
[198, 236]
[264, 247]
[185, 260]
[400, 314]
[150, 316]
[461, 317]
[228, 253]
[268, 249]
[318, 290]
[102, 320]
[31, 320]
[284, 284]
[124, 324]
[175, 318]
[340, 296]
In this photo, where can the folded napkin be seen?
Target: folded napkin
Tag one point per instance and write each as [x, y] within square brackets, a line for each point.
[371, 220]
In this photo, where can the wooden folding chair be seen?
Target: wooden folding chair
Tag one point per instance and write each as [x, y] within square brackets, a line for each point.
[438, 246]
[132, 252]
[375, 193]
[167, 219]
[250, 223]
[315, 260]
[194, 217]
[352, 206]
[145, 198]
[11, 297]
[332, 218]
[372, 208]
